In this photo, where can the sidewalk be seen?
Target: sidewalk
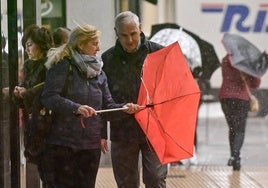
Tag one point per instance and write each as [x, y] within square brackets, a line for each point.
[213, 153]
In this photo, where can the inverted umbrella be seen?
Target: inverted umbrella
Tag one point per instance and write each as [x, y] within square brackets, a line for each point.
[171, 96]
[245, 56]
[187, 44]
[209, 58]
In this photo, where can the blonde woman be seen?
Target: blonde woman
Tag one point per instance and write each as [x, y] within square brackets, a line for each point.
[74, 89]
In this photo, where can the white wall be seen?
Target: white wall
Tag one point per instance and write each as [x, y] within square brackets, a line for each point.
[99, 13]
[208, 25]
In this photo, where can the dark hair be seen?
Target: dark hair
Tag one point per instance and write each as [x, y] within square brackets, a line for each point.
[41, 36]
[61, 35]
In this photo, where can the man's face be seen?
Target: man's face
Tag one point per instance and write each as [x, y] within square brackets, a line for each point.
[129, 36]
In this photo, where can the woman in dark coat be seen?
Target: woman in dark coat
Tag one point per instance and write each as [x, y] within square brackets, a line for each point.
[36, 42]
[74, 89]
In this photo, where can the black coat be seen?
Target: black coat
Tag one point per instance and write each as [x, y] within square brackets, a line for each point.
[124, 77]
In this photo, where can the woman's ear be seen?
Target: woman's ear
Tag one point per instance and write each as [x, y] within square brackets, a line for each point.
[80, 47]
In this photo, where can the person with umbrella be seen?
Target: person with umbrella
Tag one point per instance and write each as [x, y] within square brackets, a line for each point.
[75, 89]
[234, 100]
[123, 64]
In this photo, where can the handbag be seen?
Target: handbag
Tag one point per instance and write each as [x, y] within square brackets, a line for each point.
[253, 101]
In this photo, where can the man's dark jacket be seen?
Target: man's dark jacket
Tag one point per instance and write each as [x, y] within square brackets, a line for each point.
[124, 77]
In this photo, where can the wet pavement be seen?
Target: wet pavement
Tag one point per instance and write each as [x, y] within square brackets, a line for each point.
[212, 155]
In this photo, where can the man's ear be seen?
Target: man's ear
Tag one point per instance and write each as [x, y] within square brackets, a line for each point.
[140, 27]
[115, 32]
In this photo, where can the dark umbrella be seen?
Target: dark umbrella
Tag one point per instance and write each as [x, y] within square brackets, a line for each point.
[209, 58]
[244, 55]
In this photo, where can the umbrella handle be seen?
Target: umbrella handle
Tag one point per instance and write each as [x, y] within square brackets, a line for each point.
[111, 110]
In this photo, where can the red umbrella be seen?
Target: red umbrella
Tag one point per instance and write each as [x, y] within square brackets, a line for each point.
[171, 96]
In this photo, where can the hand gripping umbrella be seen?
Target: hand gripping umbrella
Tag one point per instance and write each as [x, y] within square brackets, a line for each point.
[171, 96]
[245, 56]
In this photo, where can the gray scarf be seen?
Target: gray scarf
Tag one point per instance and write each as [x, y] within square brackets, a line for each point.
[90, 66]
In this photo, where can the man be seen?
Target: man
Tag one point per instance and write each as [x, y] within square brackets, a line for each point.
[123, 65]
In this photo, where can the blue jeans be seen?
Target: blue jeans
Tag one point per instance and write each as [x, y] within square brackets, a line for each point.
[125, 161]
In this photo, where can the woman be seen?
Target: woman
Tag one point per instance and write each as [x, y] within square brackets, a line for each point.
[36, 41]
[74, 88]
[234, 100]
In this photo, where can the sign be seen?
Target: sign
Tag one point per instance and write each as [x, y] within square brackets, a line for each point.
[211, 19]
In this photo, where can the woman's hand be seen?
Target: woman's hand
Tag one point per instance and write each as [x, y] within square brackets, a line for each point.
[131, 108]
[86, 111]
[18, 91]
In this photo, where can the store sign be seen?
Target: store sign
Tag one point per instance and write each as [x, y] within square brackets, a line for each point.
[46, 8]
[238, 16]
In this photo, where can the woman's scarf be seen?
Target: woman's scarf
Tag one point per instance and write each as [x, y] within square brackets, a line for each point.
[90, 66]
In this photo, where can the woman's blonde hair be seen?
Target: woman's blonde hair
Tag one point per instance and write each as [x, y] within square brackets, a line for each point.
[79, 35]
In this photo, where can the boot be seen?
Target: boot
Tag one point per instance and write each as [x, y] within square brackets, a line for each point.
[230, 161]
[236, 164]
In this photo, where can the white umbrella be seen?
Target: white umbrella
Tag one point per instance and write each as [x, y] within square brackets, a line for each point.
[188, 45]
[244, 55]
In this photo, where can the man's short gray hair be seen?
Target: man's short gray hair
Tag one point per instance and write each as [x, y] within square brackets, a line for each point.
[125, 18]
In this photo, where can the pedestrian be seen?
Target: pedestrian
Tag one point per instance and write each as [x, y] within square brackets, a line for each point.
[61, 36]
[123, 64]
[36, 41]
[75, 87]
[234, 100]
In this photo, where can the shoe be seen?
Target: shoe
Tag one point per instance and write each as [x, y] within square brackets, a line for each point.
[193, 160]
[236, 164]
[230, 161]
[173, 164]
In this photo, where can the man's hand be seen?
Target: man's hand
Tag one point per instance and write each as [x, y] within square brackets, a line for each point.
[104, 146]
[131, 108]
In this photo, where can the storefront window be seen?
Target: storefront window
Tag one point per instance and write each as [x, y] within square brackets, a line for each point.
[53, 13]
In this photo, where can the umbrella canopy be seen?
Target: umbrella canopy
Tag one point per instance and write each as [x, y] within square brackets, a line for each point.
[171, 96]
[244, 55]
[188, 45]
[209, 58]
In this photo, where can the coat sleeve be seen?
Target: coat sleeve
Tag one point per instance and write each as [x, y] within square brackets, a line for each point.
[108, 103]
[52, 97]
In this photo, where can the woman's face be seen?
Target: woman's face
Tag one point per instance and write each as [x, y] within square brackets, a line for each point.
[33, 50]
[91, 47]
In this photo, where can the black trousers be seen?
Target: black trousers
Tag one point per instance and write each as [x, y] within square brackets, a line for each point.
[63, 167]
[236, 113]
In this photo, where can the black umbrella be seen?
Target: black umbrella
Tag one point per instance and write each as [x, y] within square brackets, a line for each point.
[209, 58]
[245, 56]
